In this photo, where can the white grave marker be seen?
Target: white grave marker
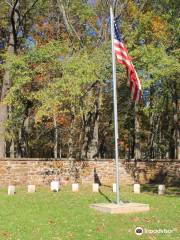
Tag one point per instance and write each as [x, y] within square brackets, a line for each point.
[55, 186]
[11, 190]
[95, 187]
[114, 187]
[31, 188]
[161, 189]
[137, 188]
[75, 187]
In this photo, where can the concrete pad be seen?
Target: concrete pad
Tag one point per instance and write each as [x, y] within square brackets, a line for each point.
[121, 208]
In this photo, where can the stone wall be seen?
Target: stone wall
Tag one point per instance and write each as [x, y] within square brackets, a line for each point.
[155, 171]
[43, 171]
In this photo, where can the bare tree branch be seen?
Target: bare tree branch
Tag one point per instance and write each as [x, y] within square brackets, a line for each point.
[13, 24]
[69, 27]
[114, 6]
[10, 4]
[27, 12]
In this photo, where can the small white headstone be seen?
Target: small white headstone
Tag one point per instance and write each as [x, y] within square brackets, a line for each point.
[114, 187]
[137, 188]
[55, 186]
[75, 187]
[11, 190]
[31, 188]
[95, 187]
[161, 189]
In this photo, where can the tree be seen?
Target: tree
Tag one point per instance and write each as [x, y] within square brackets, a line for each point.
[60, 97]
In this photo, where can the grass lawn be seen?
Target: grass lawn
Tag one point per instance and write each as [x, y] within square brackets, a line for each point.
[66, 215]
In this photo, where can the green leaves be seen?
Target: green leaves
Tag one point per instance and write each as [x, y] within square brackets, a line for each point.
[81, 10]
[53, 80]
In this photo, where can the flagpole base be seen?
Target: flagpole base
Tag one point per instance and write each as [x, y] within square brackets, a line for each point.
[122, 208]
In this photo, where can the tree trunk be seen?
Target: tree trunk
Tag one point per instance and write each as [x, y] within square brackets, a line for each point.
[137, 134]
[69, 27]
[93, 148]
[12, 149]
[176, 130]
[7, 82]
[91, 127]
[55, 138]
[71, 134]
[87, 134]
[3, 107]
[3, 118]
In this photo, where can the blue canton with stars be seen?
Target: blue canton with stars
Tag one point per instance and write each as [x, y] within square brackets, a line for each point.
[117, 33]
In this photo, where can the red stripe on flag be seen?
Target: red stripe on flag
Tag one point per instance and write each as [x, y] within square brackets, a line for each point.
[124, 59]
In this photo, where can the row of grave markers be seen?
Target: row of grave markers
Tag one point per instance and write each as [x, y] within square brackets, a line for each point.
[55, 187]
[161, 189]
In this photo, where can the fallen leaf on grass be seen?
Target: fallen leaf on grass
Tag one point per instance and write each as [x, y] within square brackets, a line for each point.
[152, 238]
[5, 234]
[51, 222]
[135, 219]
[100, 229]
[147, 220]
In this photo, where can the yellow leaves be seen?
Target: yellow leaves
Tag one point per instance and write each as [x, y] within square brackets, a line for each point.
[132, 10]
[159, 27]
[45, 31]
[151, 28]
[62, 120]
[4, 13]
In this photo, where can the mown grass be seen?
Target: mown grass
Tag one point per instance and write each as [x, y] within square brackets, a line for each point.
[67, 216]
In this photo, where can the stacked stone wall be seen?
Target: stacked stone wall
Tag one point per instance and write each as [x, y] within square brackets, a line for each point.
[42, 171]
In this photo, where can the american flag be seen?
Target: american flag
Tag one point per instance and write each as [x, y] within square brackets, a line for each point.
[123, 58]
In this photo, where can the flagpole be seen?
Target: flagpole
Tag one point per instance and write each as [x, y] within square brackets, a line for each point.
[115, 108]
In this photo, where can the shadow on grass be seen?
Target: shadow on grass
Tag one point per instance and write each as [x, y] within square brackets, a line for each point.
[97, 180]
[149, 188]
[108, 186]
[152, 188]
[105, 196]
[173, 191]
[108, 199]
